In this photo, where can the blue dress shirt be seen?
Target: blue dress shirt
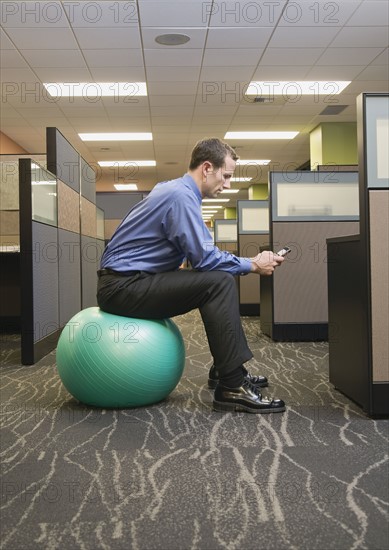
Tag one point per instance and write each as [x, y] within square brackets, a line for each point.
[164, 229]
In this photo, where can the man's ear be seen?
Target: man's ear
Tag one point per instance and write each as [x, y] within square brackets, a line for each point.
[207, 167]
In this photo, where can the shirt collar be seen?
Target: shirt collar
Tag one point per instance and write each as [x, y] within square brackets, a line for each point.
[190, 182]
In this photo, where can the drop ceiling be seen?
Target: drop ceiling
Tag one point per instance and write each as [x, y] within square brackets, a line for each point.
[195, 89]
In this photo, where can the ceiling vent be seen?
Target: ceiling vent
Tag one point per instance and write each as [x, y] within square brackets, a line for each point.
[333, 109]
[265, 100]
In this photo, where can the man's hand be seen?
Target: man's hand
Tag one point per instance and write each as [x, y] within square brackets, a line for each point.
[265, 262]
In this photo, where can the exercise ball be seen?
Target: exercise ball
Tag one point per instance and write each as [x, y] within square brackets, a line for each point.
[111, 361]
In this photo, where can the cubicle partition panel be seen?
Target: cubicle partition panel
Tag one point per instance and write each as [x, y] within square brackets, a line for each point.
[80, 248]
[359, 273]
[115, 207]
[306, 208]
[225, 235]
[253, 236]
[39, 256]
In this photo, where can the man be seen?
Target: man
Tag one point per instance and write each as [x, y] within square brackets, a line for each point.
[140, 275]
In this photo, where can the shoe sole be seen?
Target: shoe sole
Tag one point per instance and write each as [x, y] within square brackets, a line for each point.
[238, 407]
[213, 383]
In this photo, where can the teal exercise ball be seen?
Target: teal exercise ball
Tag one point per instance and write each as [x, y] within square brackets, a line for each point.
[111, 361]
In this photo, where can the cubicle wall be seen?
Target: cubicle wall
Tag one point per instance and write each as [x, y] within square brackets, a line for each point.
[60, 247]
[253, 235]
[306, 208]
[115, 207]
[225, 235]
[359, 272]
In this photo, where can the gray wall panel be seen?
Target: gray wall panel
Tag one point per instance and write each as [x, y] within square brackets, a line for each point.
[91, 250]
[45, 276]
[88, 182]
[67, 163]
[69, 275]
[300, 284]
[116, 205]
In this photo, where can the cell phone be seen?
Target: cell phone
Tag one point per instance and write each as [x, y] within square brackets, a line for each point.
[284, 251]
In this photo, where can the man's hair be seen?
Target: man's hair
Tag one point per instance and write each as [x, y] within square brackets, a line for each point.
[213, 150]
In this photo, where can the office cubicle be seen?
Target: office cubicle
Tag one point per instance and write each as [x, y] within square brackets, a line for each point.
[51, 269]
[253, 235]
[306, 208]
[358, 272]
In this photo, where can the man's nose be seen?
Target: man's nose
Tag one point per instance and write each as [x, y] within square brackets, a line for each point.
[227, 184]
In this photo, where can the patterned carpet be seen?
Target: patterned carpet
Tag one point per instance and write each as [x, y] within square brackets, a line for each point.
[179, 476]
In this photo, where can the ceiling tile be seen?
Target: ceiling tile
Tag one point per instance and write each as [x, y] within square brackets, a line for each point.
[5, 42]
[53, 58]
[359, 37]
[238, 37]
[291, 56]
[295, 37]
[63, 74]
[172, 14]
[169, 74]
[246, 13]
[280, 72]
[348, 56]
[33, 14]
[50, 39]
[102, 14]
[118, 74]
[12, 59]
[370, 13]
[306, 13]
[113, 58]
[173, 58]
[227, 57]
[101, 38]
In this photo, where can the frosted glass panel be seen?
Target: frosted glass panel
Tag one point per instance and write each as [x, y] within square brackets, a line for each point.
[44, 195]
[255, 219]
[226, 232]
[100, 223]
[382, 148]
[313, 200]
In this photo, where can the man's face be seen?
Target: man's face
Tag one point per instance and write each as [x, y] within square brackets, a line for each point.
[217, 179]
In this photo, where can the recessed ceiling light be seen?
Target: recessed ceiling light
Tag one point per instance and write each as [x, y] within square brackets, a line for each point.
[126, 186]
[205, 207]
[95, 90]
[241, 179]
[230, 191]
[297, 88]
[172, 39]
[127, 163]
[260, 135]
[117, 136]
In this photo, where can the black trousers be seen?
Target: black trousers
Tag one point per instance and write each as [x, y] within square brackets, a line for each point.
[164, 295]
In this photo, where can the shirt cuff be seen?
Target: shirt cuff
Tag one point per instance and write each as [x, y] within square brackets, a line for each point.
[245, 264]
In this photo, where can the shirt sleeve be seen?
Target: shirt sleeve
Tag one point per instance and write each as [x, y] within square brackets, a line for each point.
[184, 227]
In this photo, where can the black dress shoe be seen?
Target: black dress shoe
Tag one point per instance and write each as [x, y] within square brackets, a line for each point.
[259, 381]
[245, 398]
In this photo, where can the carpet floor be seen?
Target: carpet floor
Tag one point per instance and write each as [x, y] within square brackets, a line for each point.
[179, 476]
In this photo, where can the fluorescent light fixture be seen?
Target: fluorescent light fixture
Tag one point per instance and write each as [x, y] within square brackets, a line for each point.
[117, 136]
[44, 182]
[94, 90]
[260, 135]
[297, 88]
[209, 212]
[241, 179]
[226, 191]
[126, 163]
[205, 208]
[242, 162]
[216, 200]
[126, 186]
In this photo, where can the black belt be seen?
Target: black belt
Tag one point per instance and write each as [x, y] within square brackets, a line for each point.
[108, 271]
